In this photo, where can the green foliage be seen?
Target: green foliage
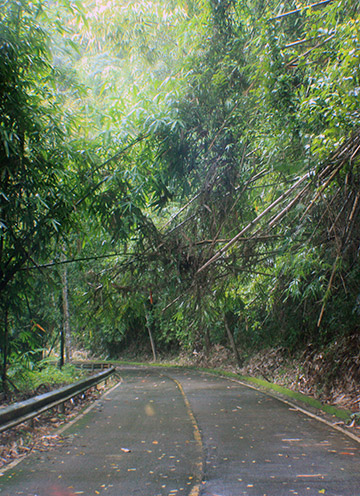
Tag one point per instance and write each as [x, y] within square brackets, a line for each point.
[249, 95]
[159, 131]
[38, 179]
[34, 177]
[29, 376]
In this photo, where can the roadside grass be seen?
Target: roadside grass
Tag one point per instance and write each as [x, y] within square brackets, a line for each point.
[289, 393]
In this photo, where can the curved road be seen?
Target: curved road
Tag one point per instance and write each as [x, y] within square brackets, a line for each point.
[173, 432]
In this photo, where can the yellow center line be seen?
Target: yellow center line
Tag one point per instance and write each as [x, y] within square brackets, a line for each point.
[195, 491]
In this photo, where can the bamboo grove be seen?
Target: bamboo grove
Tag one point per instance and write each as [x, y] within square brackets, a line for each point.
[176, 175]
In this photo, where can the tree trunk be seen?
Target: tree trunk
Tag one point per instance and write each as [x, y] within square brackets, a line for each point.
[4, 379]
[207, 342]
[66, 330]
[152, 342]
[62, 348]
[232, 342]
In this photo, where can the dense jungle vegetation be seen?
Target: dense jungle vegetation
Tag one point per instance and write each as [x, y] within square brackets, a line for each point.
[178, 174]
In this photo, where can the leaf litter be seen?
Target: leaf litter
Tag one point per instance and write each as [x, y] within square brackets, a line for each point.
[39, 434]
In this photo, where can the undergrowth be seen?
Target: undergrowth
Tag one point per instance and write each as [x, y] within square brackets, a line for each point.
[26, 382]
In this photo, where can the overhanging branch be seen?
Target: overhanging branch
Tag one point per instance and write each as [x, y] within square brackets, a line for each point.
[254, 222]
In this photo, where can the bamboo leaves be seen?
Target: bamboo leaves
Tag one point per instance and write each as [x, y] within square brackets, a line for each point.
[214, 144]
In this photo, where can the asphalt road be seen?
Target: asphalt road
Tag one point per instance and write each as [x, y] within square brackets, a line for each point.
[177, 432]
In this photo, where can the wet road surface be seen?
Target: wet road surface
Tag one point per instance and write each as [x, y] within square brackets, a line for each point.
[173, 432]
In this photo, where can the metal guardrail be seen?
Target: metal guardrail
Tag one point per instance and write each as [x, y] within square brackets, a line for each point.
[21, 411]
[91, 365]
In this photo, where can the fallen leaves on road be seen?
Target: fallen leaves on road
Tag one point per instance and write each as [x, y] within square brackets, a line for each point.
[20, 440]
[58, 491]
[320, 476]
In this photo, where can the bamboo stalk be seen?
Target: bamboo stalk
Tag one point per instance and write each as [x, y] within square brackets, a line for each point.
[180, 225]
[346, 146]
[324, 186]
[355, 153]
[303, 40]
[151, 337]
[340, 212]
[172, 302]
[232, 342]
[352, 214]
[323, 215]
[251, 238]
[288, 207]
[181, 210]
[305, 54]
[326, 297]
[74, 260]
[253, 223]
[295, 11]
[356, 201]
